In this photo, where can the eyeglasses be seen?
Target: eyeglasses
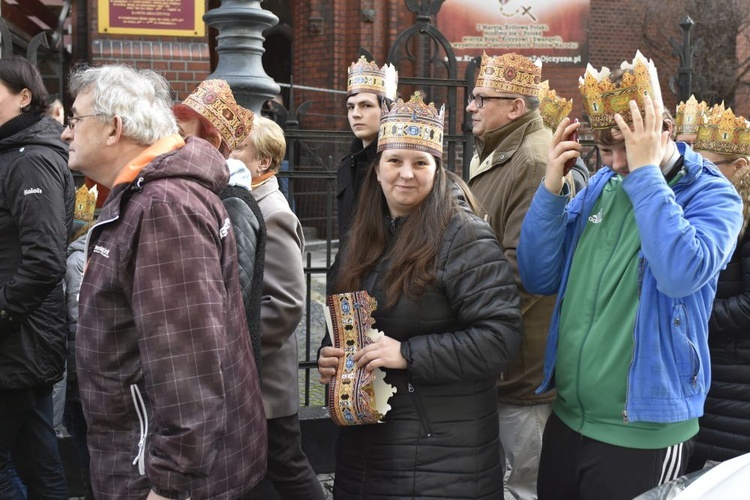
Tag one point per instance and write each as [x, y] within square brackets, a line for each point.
[723, 162]
[479, 99]
[73, 120]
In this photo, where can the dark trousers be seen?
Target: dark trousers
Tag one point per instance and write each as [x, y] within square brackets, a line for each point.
[290, 475]
[28, 441]
[574, 467]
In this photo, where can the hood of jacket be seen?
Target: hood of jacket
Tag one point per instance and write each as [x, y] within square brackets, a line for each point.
[197, 161]
[45, 132]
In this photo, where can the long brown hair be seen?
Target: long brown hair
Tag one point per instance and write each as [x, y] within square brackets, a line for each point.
[411, 250]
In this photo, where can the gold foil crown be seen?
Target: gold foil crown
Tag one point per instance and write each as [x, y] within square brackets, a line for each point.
[366, 76]
[689, 116]
[85, 203]
[511, 73]
[602, 99]
[552, 108]
[213, 99]
[724, 133]
[412, 125]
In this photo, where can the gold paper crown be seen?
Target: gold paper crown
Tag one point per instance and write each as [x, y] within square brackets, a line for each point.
[412, 125]
[85, 203]
[511, 73]
[602, 99]
[213, 99]
[689, 116]
[365, 76]
[552, 108]
[724, 133]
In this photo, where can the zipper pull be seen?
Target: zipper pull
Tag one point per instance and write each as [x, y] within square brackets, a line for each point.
[409, 387]
[625, 416]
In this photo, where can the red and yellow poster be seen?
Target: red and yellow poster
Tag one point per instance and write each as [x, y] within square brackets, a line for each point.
[553, 30]
[152, 17]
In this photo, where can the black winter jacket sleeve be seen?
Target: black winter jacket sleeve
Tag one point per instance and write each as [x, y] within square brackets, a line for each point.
[37, 198]
[731, 315]
[481, 290]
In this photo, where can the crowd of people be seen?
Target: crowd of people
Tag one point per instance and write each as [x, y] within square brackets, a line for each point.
[547, 335]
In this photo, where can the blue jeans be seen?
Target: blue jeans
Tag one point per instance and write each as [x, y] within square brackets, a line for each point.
[28, 441]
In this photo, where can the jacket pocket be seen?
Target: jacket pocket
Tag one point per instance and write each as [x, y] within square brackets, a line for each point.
[140, 410]
[687, 359]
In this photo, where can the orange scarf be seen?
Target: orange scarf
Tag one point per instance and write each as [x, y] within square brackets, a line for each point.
[134, 167]
[260, 180]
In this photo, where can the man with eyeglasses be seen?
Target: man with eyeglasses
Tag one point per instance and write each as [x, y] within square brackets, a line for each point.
[511, 144]
[167, 375]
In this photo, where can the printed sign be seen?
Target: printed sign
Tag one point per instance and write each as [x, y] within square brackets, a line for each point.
[152, 17]
[554, 31]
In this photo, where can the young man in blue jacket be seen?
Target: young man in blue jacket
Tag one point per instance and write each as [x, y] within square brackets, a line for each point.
[634, 260]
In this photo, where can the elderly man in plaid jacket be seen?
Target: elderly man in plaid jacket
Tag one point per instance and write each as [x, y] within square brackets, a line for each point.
[167, 375]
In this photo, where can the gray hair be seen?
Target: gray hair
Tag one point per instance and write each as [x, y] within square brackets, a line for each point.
[141, 97]
[531, 102]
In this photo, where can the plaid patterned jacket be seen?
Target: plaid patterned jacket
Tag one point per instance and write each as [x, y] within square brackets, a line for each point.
[167, 376]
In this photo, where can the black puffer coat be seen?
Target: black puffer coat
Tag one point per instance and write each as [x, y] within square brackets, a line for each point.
[37, 195]
[440, 439]
[725, 426]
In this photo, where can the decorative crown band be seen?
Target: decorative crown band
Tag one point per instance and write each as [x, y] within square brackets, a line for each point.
[214, 100]
[412, 125]
[85, 203]
[552, 108]
[724, 133]
[366, 76]
[689, 116]
[511, 73]
[602, 99]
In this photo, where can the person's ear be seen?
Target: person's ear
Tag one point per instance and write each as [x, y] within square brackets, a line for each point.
[25, 95]
[739, 163]
[265, 164]
[116, 131]
[518, 109]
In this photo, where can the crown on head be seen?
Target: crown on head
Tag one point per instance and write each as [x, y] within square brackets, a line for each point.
[689, 116]
[213, 99]
[365, 76]
[412, 125]
[552, 108]
[511, 73]
[602, 99]
[85, 203]
[724, 133]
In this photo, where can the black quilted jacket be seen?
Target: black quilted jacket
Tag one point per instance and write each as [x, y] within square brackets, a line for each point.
[440, 439]
[725, 426]
[250, 234]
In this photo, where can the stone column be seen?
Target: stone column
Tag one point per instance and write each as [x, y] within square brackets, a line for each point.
[240, 24]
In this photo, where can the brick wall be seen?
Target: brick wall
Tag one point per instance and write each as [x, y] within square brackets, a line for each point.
[184, 61]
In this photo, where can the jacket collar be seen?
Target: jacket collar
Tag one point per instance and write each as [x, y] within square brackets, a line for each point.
[499, 145]
[267, 187]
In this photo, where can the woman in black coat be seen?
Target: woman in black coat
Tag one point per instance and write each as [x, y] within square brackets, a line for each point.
[725, 426]
[37, 195]
[449, 309]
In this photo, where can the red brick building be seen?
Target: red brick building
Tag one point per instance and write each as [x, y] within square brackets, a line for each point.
[316, 40]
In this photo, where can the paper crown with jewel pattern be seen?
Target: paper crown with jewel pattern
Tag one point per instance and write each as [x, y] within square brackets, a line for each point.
[511, 73]
[689, 116]
[412, 125]
[602, 99]
[85, 203]
[552, 108]
[724, 133]
[366, 76]
[214, 101]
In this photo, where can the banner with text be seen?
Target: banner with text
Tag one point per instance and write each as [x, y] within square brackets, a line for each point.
[552, 30]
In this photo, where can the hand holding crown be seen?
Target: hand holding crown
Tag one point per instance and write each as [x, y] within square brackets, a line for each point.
[560, 151]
